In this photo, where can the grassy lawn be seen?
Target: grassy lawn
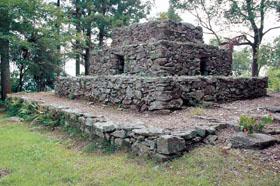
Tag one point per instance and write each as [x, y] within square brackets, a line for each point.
[41, 158]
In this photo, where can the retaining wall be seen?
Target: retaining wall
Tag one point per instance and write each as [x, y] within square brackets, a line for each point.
[158, 93]
[156, 143]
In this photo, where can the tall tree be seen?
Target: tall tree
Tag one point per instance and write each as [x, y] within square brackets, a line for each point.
[6, 18]
[253, 13]
[248, 14]
[78, 14]
[114, 13]
[171, 14]
[207, 13]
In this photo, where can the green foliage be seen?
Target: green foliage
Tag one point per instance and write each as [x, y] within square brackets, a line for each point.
[71, 96]
[46, 120]
[170, 14]
[13, 107]
[30, 112]
[34, 41]
[241, 62]
[101, 146]
[266, 120]
[249, 124]
[274, 79]
[73, 131]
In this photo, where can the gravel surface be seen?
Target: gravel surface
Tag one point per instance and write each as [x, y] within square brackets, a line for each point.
[224, 113]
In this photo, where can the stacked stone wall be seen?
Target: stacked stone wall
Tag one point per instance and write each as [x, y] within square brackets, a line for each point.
[162, 58]
[156, 30]
[156, 143]
[158, 93]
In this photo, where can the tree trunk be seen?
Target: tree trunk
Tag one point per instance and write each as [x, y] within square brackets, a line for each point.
[255, 66]
[101, 36]
[5, 69]
[88, 56]
[58, 34]
[20, 83]
[78, 32]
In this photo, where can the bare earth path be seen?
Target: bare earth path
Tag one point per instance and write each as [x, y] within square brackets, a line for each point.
[221, 113]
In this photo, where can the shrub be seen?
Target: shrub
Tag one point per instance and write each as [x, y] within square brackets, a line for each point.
[274, 79]
[249, 124]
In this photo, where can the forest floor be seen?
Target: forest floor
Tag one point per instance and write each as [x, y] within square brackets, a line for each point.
[34, 155]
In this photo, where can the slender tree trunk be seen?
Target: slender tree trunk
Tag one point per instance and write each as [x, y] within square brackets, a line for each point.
[78, 31]
[58, 34]
[88, 57]
[20, 83]
[5, 69]
[255, 66]
[101, 36]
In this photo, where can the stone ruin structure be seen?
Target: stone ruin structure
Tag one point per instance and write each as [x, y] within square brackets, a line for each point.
[160, 65]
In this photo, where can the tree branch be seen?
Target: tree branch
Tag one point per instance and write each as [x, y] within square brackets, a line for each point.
[273, 28]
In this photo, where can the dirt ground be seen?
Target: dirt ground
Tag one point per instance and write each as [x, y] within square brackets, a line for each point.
[220, 113]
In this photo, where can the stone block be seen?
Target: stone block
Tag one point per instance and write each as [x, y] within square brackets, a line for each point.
[168, 144]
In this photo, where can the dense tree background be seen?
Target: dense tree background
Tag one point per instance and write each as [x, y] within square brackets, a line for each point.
[37, 37]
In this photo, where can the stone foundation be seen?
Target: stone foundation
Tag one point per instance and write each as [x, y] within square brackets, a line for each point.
[159, 93]
[156, 143]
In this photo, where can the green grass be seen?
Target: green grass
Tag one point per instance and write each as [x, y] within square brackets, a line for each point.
[36, 157]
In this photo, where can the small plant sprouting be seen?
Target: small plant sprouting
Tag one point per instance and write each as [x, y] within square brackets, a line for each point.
[249, 125]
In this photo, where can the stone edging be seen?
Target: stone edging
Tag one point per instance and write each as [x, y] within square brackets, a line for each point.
[156, 143]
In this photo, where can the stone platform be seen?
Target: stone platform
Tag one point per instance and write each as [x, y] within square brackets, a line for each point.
[159, 136]
[160, 144]
[160, 93]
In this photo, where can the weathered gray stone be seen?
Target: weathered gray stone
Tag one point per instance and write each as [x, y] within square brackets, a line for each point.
[119, 134]
[168, 144]
[201, 132]
[187, 134]
[124, 143]
[211, 139]
[108, 126]
[89, 122]
[14, 119]
[252, 141]
[140, 149]
[274, 109]
[151, 131]
[149, 143]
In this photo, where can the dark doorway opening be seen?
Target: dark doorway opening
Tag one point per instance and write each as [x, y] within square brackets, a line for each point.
[203, 66]
[120, 64]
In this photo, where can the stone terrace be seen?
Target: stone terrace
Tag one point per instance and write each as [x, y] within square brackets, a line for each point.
[146, 134]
